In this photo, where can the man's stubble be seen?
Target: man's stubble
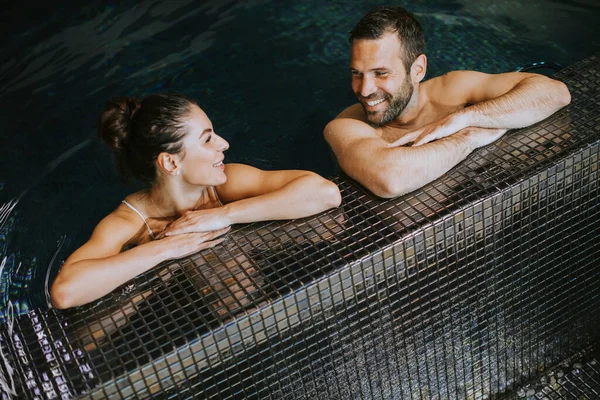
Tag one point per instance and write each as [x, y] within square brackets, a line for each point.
[397, 104]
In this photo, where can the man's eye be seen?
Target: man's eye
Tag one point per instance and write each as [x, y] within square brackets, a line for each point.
[380, 73]
[355, 73]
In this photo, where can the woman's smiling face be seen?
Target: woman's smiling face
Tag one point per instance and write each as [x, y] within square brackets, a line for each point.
[202, 154]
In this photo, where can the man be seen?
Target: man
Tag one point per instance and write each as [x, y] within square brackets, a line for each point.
[445, 118]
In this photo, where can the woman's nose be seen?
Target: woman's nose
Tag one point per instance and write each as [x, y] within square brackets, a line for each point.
[223, 144]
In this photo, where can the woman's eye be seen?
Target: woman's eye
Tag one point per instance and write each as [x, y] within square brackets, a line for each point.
[208, 139]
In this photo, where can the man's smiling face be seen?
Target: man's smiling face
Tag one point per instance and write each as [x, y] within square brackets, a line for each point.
[379, 79]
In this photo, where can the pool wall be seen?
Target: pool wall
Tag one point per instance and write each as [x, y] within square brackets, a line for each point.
[465, 288]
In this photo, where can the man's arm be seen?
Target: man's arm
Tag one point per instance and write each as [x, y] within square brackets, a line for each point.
[530, 99]
[508, 101]
[391, 172]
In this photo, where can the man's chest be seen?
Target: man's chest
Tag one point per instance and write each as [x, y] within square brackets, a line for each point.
[430, 114]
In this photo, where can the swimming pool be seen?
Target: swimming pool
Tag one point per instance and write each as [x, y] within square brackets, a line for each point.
[269, 74]
[473, 335]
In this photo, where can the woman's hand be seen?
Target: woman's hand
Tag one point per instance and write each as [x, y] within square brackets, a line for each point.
[101, 262]
[182, 245]
[213, 219]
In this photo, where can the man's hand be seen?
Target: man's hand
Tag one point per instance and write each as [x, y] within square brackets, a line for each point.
[479, 137]
[443, 127]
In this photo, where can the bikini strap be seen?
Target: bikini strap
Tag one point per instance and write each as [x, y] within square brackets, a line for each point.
[141, 216]
[214, 190]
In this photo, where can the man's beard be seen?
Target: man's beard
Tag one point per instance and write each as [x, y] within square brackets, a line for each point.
[397, 104]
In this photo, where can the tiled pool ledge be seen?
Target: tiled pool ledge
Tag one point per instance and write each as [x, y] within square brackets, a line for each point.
[465, 288]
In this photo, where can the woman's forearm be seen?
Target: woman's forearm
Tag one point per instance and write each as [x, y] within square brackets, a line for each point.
[87, 280]
[304, 196]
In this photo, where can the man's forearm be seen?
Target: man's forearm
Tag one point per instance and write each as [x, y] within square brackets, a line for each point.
[401, 170]
[530, 101]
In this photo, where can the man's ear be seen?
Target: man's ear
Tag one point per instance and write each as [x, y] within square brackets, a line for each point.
[419, 68]
[169, 163]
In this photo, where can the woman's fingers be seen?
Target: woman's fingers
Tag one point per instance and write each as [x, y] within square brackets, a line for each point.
[191, 243]
[212, 243]
[203, 235]
[197, 221]
[179, 229]
[183, 225]
[198, 246]
[219, 232]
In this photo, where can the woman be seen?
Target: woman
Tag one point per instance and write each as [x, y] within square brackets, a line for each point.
[193, 198]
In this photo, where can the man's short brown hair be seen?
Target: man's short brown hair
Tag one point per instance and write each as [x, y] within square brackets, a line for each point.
[385, 19]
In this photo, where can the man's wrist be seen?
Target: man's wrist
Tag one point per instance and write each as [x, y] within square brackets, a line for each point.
[466, 141]
[462, 118]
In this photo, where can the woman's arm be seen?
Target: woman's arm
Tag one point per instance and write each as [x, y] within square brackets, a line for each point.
[99, 266]
[254, 195]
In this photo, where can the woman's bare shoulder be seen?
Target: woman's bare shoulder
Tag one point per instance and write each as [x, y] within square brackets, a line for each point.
[123, 221]
[120, 222]
[109, 236]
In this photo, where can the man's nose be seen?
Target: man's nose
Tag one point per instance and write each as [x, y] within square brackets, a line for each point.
[367, 87]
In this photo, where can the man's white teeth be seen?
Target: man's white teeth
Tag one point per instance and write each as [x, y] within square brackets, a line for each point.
[218, 164]
[375, 102]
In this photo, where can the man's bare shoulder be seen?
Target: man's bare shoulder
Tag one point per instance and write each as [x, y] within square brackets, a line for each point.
[350, 124]
[457, 77]
[353, 112]
[452, 89]
[348, 129]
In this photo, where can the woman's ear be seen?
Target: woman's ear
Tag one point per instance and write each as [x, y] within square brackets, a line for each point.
[419, 68]
[169, 163]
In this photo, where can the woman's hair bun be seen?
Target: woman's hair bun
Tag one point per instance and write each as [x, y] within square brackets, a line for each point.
[139, 130]
[114, 126]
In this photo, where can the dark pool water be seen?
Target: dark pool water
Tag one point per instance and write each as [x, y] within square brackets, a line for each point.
[270, 75]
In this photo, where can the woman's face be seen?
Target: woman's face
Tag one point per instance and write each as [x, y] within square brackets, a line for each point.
[202, 155]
